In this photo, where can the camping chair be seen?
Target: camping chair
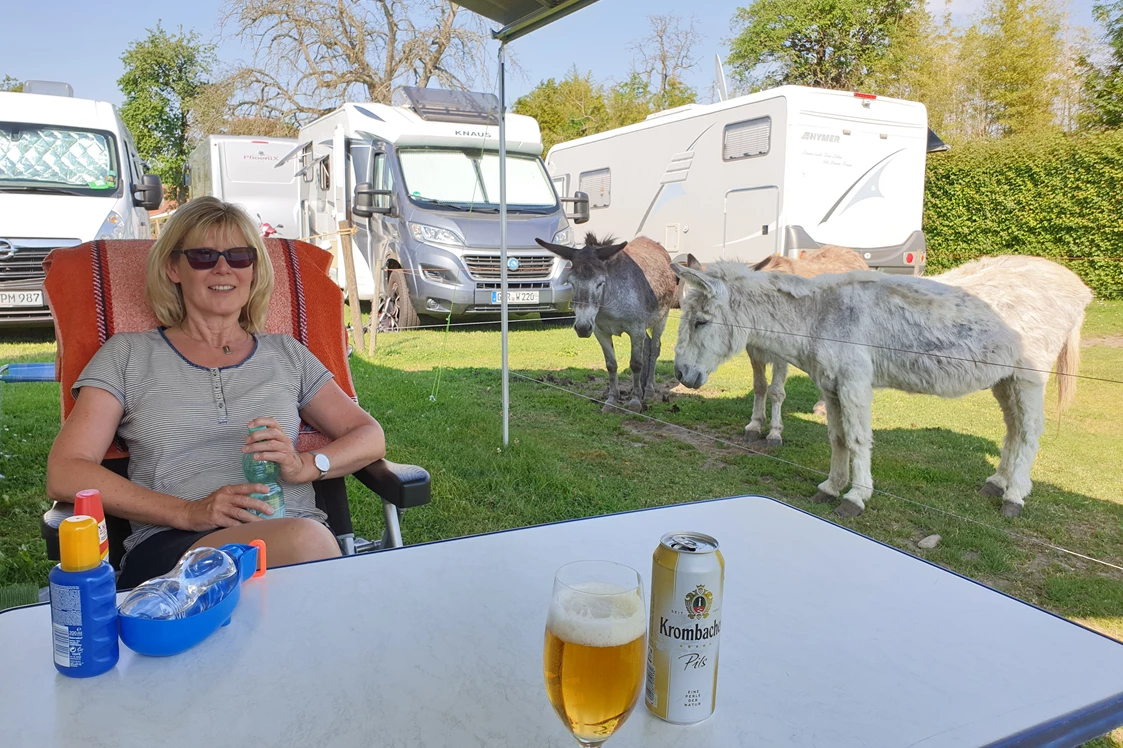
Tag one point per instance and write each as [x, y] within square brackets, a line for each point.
[97, 289]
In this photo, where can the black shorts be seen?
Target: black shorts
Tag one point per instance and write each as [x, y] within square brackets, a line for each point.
[156, 555]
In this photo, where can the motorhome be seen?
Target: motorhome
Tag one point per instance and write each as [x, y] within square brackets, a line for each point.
[239, 169]
[420, 185]
[69, 173]
[781, 171]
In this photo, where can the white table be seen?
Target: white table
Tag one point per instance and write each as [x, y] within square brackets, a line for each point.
[828, 639]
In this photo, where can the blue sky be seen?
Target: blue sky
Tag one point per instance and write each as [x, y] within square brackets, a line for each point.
[81, 43]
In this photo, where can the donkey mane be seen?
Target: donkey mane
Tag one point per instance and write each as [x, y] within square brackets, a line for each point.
[918, 290]
[591, 240]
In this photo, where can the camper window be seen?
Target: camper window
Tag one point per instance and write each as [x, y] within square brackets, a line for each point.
[598, 186]
[305, 171]
[747, 139]
[323, 174]
[59, 159]
[464, 178]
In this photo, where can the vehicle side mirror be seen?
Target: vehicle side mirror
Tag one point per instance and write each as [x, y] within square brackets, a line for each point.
[149, 194]
[580, 202]
[369, 201]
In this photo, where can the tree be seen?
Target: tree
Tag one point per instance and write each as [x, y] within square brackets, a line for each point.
[312, 55]
[10, 84]
[925, 66]
[570, 108]
[839, 44]
[212, 112]
[164, 73]
[1103, 84]
[578, 105]
[1013, 53]
[663, 57]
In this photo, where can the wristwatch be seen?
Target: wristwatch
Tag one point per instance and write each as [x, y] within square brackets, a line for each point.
[323, 464]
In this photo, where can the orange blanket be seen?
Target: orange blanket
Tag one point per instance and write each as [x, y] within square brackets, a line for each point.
[97, 289]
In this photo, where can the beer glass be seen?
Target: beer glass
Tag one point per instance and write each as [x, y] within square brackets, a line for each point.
[596, 647]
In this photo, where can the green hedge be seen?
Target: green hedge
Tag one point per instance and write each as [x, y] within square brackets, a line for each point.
[1051, 195]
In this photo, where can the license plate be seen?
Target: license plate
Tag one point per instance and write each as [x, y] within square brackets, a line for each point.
[516, 297]
[21, 298]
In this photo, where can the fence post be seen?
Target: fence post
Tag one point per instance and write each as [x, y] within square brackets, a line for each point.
[352, 286]
[376, 271]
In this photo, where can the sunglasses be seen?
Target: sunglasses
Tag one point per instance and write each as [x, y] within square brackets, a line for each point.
[204, 258]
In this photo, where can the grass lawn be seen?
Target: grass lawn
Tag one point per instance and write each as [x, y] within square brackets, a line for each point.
[438, 395]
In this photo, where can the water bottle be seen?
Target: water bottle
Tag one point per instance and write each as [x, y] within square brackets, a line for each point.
[83, 602]
[201, 579]
[264, 471]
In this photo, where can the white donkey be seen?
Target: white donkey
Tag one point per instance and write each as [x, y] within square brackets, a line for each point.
[827, 259]
[998, 322]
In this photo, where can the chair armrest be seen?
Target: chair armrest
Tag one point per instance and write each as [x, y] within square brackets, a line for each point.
[404, 486]
[48, 526]
[117, 528]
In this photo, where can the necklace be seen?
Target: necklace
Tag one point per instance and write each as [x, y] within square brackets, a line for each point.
[225, 348]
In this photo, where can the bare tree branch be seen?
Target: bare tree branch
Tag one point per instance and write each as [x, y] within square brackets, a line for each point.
[664, 55]
[310, 56]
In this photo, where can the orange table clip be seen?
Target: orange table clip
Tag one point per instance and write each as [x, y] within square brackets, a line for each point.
[261, 565]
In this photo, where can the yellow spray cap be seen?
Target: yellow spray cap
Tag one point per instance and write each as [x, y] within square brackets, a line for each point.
[79, 548]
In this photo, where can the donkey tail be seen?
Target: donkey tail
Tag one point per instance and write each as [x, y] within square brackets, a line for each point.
[1068, 366]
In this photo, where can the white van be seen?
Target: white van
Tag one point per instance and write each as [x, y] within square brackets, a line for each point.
[421, 184]
[69, 173]
[239, 169]
[775, 172]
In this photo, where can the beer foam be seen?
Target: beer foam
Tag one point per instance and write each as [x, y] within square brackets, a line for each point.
[607, 615]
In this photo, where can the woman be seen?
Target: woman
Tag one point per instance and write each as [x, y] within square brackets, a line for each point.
[183, 396]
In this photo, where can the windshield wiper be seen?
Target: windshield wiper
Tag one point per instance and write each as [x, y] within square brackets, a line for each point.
[441, 203]
[52, 190]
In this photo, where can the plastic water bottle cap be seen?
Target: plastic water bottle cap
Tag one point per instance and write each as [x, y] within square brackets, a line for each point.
[256, 428]
[79, 548]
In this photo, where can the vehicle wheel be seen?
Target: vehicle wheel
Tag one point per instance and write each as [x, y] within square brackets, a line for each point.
[396, 312]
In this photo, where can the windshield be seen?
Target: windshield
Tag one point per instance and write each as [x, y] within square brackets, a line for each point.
[56, 159]
[468, 179]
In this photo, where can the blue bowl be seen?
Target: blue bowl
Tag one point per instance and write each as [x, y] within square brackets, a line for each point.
[161, 638]
[156, 638]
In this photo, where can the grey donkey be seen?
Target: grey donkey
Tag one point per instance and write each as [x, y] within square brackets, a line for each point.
[618, 288]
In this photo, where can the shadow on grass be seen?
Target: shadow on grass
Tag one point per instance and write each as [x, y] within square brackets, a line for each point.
[567, 459]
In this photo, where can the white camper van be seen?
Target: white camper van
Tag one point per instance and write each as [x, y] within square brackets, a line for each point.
[69, 173]
[239, 169]
[775, 172]
[421, 184]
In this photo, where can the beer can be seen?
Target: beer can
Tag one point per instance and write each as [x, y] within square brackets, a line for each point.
[687, 575]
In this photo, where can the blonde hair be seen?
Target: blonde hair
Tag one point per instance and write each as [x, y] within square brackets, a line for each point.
[188, 227]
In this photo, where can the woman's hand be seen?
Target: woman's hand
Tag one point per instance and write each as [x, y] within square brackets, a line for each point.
[226, 507]
[272, 443]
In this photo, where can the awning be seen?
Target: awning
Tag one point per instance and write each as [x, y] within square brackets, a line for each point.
[935, 144]
[520, 17]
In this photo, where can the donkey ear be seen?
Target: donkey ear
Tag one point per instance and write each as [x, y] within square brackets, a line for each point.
[692, 262]
[562, 251]
[607, 253]
[696, 278]
[793, 285]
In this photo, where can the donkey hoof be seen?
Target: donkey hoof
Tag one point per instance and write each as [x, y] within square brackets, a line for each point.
[1011, 509]
[636, 406]
[752, 434]
[991, 490]
[609, 407]
[775, 442]
[848, 509]
[822, 497]
[820, 409]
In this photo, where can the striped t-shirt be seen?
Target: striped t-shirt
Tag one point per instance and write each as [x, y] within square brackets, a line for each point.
[184, 425]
